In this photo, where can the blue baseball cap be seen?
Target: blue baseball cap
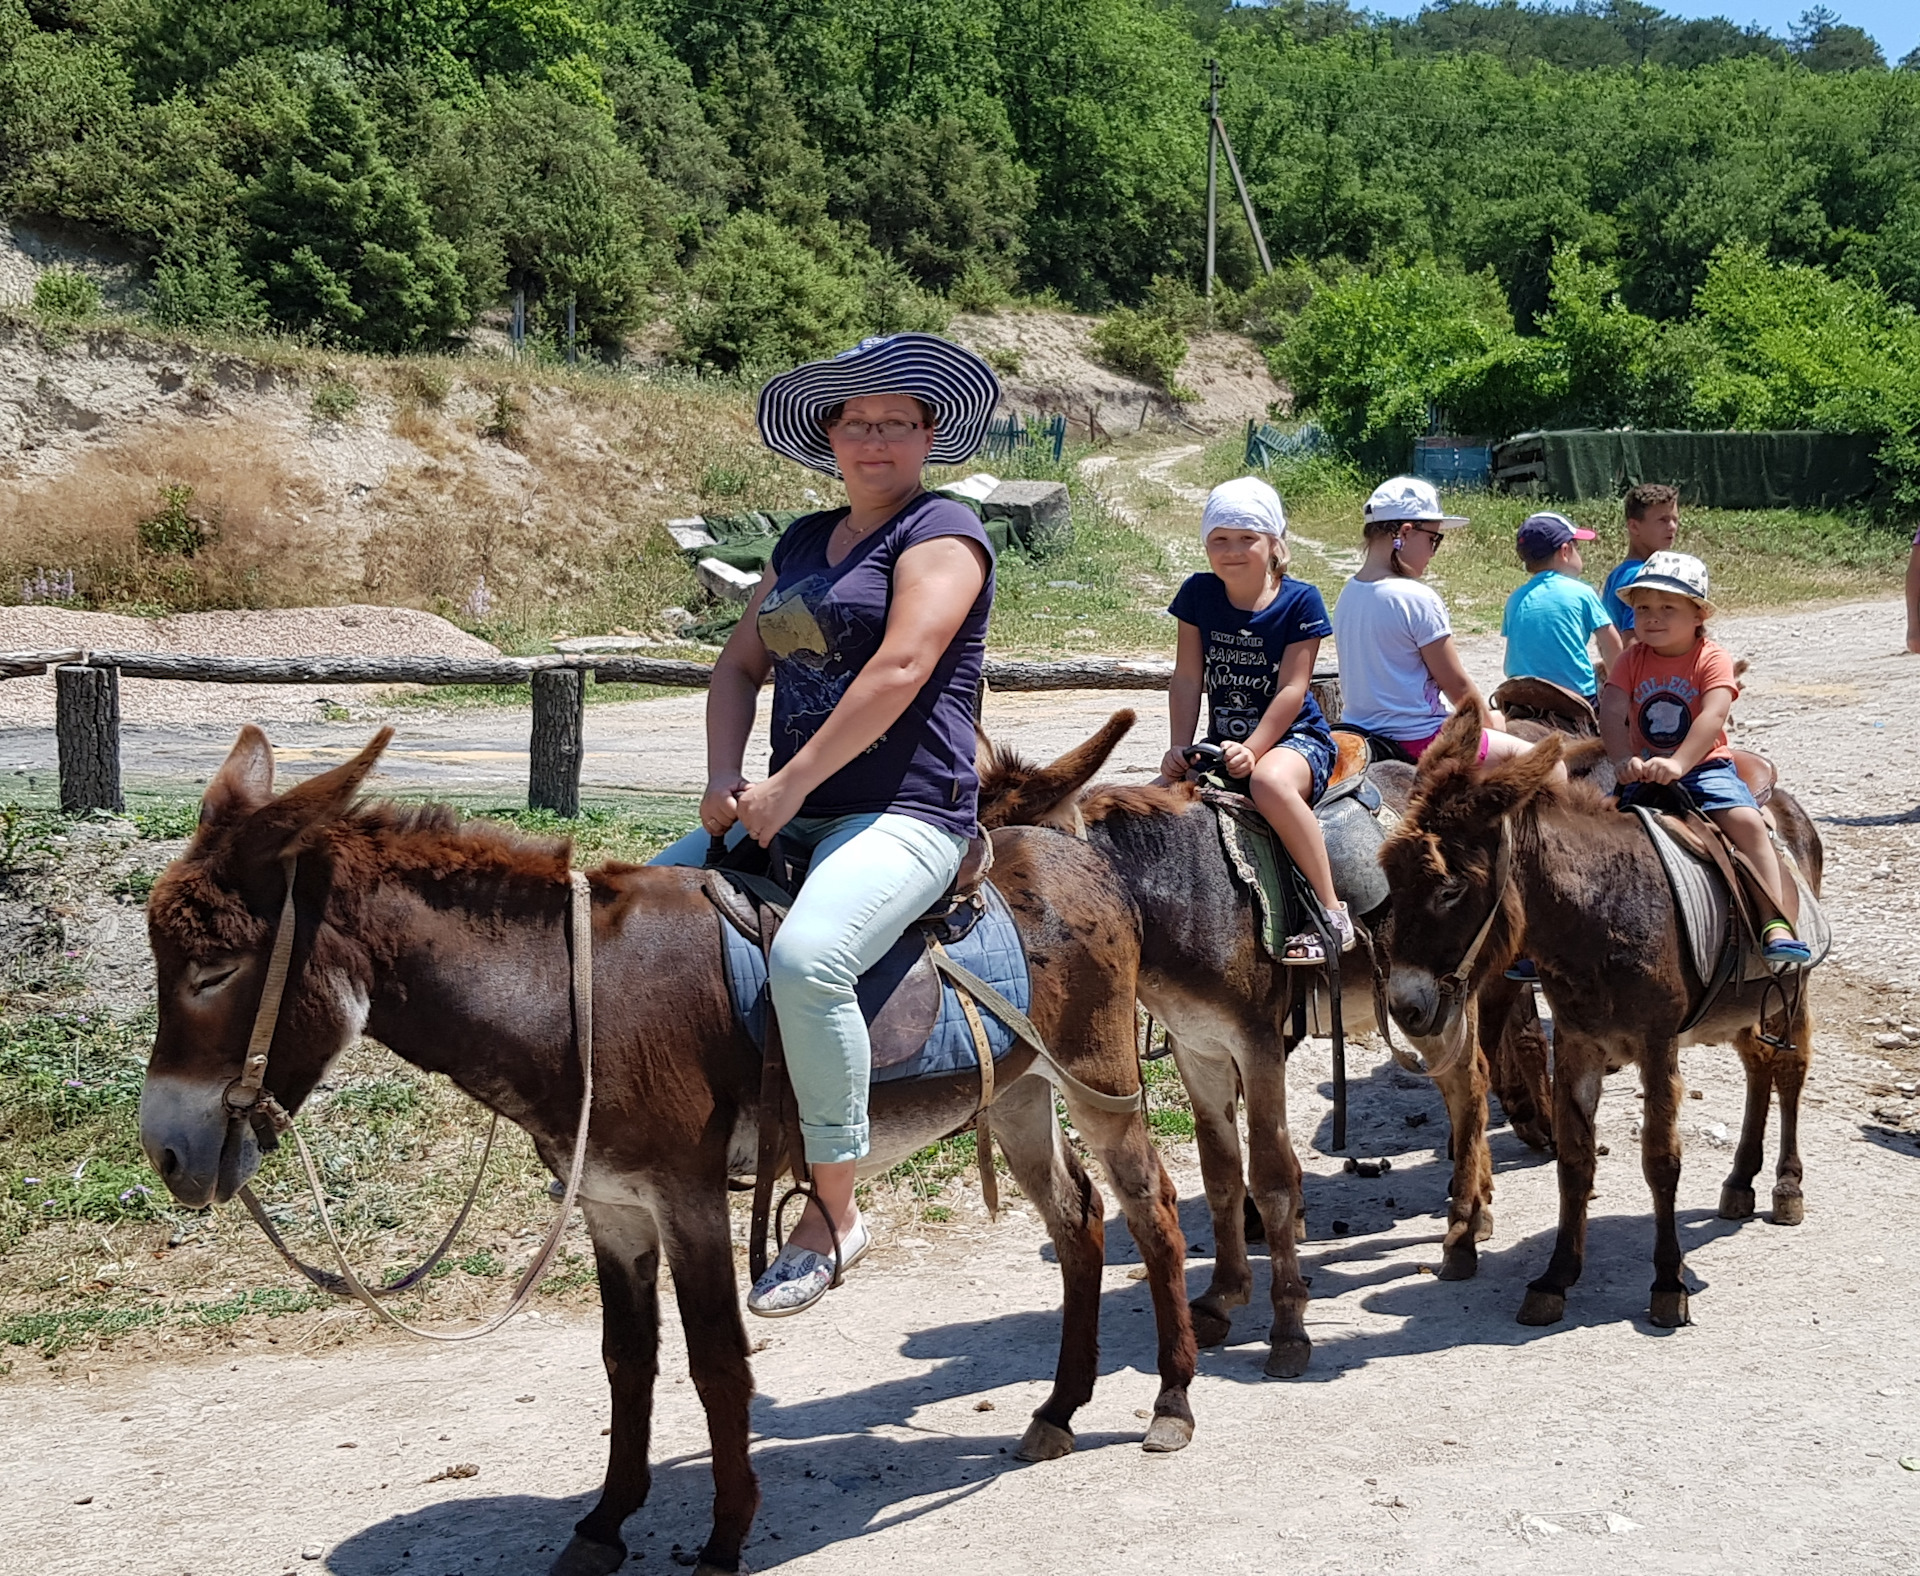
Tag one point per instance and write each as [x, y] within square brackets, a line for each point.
[1544, 534]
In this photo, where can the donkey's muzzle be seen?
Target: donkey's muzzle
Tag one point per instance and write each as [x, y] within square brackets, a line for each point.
[1417, 1003]
[202, 1151]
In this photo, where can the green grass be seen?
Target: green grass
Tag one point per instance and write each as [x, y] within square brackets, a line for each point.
[512, 697]
[55, 1330]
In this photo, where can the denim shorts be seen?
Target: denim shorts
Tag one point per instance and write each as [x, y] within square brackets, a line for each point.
[1712, 785]
[1317, 750]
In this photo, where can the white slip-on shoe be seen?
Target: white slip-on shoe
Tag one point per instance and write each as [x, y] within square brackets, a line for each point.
[799, 1277]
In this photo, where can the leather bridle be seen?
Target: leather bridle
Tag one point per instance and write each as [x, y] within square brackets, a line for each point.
[1453, 986]
[247, 1099]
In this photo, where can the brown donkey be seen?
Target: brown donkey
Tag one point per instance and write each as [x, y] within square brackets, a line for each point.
[1589, 897]
[448, 944]
[1205, 974]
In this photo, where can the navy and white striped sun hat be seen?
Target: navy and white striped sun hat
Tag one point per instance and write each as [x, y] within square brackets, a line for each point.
[959, 387]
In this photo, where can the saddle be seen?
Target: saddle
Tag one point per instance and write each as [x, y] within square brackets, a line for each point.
[1540, 700]
[1722, 904]
[919, 1000]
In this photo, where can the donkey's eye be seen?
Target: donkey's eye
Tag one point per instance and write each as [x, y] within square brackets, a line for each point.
[208, 976]
[1451, 892]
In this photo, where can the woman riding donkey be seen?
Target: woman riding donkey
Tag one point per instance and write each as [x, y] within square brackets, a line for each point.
[1250, 635]
[872, 621]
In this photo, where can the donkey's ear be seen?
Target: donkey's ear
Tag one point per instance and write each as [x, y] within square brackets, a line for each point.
[1049, 795]
[244, 782]
[1515, 780]
[292, 821]
[1458, 741]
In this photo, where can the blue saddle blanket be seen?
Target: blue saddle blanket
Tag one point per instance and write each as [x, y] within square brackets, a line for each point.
[991, 950]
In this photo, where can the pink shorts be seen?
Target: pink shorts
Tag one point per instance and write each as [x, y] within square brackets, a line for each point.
[1418, 747]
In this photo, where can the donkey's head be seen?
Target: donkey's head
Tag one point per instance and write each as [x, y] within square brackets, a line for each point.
[1016, 792]
[1455, 915]
[211, 922]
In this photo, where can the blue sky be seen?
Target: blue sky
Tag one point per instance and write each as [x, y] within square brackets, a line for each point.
[1894, 24]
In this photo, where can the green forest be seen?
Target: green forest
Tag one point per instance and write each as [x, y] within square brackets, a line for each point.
[1506, 214]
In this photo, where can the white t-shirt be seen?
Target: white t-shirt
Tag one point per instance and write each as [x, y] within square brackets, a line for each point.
[1379, 627]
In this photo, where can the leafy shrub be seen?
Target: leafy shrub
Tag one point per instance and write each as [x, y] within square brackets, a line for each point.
[176, 528]
[1141, 344]
[423, 384]
[505, 420]
[65, 295]
[761, 297]
[1003, 358]
[198, 282]
[335, 399]
[978, 289]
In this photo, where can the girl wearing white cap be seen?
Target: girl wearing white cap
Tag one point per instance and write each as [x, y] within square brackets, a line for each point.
[1249, 636]
[1399, 666]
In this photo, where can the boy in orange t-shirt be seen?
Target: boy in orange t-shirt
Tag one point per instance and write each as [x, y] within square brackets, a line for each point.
[1663, 716]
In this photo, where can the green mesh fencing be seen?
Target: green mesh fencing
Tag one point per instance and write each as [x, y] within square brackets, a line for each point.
[1716, 470]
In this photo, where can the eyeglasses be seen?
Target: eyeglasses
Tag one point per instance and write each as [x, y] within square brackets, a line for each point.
[885, 431]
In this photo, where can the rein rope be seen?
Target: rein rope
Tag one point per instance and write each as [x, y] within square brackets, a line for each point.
[247, 1100]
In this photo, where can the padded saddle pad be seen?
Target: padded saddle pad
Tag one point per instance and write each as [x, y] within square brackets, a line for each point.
[1349, 816]
[916, 1034]
[1706, 911]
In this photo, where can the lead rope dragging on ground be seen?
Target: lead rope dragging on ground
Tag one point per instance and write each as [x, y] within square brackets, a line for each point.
[581, 932]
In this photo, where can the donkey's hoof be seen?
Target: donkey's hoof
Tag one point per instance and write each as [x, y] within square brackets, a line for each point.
[1789, 1209]
[1459, 1262]
[583, 1557]
[1669, 1310]
[1542, 1307]
[1211, 1325]
[1044, 1441]
[1289, 1357]
[1535, 1134]
[1167, 1434]
[1482, 1224]
[1736, 1203]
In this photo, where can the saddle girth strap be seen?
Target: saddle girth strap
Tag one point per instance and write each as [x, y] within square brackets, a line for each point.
[967, 983]
[982, 1123]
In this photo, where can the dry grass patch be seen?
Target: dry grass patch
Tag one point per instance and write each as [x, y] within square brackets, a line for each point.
[249, 502]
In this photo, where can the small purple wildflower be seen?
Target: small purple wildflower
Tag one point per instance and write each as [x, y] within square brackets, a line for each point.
[31, 1181]
[136, 1188]
[75, 1083]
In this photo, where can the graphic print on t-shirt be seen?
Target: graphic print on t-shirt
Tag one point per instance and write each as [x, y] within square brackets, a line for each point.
[1239, 683]
[811, 670]
[1664, 709]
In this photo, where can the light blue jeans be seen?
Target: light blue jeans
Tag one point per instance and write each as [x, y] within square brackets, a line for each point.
[872, 876]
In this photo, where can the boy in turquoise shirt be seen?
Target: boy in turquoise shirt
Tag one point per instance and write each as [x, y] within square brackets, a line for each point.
[1653, 521]
[1550, 619]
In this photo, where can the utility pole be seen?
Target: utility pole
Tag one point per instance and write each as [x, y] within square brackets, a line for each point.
[1217, 131]
[1213, 156]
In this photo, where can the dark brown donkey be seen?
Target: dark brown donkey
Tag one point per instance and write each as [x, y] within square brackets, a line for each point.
[448, 944]
[1589, 896]
[1205, 974]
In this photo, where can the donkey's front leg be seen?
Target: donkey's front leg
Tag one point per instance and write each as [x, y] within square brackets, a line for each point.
[1660, 1161]
[700, 1249]
[1469, 1210]
[1153, 1216]
[1578, 1066]
[626, 1248]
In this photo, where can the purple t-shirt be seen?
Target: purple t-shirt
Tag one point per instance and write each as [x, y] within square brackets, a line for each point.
[822, 622]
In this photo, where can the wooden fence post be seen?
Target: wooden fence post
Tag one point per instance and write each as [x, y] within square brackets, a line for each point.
[87, 725]
[555, 748]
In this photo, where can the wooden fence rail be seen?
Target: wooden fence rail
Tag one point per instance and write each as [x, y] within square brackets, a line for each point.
[87, 698]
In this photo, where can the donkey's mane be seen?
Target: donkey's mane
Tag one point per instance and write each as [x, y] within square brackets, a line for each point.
[1109, 799]
[434, 836]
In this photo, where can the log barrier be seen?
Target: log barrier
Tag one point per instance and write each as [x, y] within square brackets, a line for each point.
[87, 698]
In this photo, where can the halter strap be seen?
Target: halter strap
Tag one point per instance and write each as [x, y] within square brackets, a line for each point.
[1455, 984]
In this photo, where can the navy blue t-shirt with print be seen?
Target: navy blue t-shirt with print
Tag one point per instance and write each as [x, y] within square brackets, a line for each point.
[1241, 650]
[823, 622]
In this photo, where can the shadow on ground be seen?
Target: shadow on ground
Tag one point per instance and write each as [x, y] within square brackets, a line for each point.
[836, 1467]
